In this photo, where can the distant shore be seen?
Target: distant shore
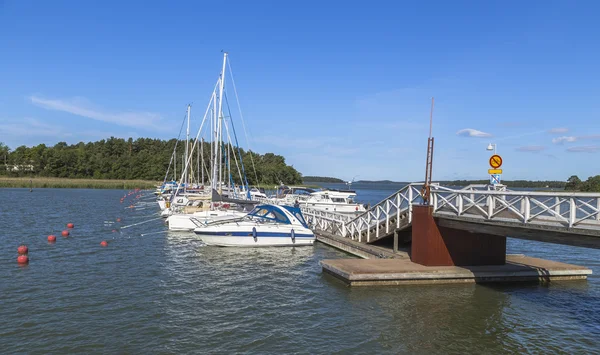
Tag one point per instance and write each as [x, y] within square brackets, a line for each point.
[48, 182]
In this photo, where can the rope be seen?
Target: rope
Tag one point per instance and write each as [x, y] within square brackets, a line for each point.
[243, 124]
[245, 179]
[175, 149]
[136, 224]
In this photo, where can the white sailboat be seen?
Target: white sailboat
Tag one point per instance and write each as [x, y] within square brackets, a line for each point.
[220, 200]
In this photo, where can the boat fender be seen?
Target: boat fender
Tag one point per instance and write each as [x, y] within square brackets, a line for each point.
[293, 236]
[254, 234]
[167, 204]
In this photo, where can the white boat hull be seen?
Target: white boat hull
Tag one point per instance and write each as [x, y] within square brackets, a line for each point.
[333, 207]
[249, 241]
[182, 222]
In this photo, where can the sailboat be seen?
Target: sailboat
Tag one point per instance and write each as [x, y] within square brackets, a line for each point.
[221, 200]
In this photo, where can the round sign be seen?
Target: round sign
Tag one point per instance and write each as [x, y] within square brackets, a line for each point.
[495, 161]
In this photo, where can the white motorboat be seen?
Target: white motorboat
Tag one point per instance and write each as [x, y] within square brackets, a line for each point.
[341, 201]
[265, 225]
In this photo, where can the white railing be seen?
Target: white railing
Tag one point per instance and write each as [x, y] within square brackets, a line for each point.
[473, 203]
[560, 209]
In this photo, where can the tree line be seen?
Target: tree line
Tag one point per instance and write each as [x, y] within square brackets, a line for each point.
[321, 179]
[592, 184]
[143, 159]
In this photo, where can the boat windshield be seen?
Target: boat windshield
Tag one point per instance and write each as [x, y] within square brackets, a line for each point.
[270, 213]
[298, 214]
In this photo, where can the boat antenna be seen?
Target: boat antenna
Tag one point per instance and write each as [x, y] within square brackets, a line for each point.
[425, 192]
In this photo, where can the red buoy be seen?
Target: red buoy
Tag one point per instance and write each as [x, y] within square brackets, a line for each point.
[103, 243]
[65, 233]
[22, 259]
[70, 225]
[22, 250]
[51, 238]
[118, 219]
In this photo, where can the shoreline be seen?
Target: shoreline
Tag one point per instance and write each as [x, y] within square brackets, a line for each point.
[60, 183]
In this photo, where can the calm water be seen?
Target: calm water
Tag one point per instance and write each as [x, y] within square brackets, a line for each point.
[167, 293]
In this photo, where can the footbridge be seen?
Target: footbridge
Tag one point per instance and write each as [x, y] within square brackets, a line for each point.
[471, 214]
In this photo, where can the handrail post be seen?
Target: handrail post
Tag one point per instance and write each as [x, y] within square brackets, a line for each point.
[459, 203]
[598, 208]
[398, 210]
[527, 209]
[572, 212]
[490, 206]
[387, 216]
[369, 227]
[378, 221]
[410, 202]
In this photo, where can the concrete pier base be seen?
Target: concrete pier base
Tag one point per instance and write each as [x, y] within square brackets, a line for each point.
[369, 272]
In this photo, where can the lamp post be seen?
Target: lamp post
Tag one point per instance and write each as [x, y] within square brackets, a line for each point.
[492, 147]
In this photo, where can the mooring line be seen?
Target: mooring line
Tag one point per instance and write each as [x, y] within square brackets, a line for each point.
[144, 234]
[135, 224]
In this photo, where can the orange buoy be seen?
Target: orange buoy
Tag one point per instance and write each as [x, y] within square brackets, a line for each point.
[103, 243]
[22, 259]
[65, 233]
[51, 238]
[118, 219]
[70, 225]
[22, 250]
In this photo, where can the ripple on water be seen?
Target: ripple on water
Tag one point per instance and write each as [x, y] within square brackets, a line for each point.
[167, 292]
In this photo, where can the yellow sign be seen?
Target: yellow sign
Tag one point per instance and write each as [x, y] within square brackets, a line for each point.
[495, 161]
[494, 171]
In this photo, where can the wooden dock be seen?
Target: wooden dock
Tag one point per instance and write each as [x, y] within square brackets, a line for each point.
[401, 271]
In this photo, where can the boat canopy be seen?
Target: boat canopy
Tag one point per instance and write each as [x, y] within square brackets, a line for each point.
[297, 213]
[271, 213]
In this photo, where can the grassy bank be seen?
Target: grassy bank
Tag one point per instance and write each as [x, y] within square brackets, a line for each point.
[42, 182]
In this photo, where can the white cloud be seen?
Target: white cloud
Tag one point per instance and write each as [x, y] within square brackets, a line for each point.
[470, 132]
[531, 148]
[584, 149]
[558, 130]
[563, 139]
[82, 107]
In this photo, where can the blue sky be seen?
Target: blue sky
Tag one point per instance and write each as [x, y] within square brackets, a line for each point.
[339, 88]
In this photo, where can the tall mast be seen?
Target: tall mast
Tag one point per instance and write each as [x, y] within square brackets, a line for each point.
[187, 142]
[220, 117]
[425, 192]
[201, 159]
[213, 143]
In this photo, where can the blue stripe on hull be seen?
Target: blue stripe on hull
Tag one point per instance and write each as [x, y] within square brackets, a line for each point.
[259, 234]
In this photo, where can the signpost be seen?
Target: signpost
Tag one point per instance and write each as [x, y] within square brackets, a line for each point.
[495, 161]
[495, 172]
[495, 179]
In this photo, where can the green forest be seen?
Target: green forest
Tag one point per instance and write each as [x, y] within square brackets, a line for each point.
[321, 179]
[592, 184]
[128, 159]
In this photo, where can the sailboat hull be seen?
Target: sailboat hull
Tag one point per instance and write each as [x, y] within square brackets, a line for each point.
[182, 222]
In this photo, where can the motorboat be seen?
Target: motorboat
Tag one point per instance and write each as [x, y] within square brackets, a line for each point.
[341, 201]
[264, 226]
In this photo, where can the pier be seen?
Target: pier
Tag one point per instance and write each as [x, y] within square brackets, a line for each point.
[458, 236]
